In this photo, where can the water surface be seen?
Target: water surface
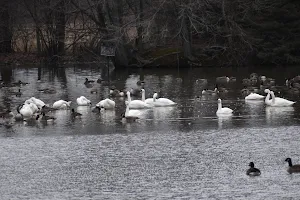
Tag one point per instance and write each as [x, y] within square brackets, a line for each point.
[182, 152]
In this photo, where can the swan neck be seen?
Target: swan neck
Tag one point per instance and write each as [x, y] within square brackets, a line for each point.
[128, 97]
[219, 105]
[143, 95]
[154, 97]
[127, 110]
[273, 97]
[267, 97]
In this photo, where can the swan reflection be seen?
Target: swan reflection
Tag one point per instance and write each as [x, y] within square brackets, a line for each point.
[279, 113]
[83, 109]
[107, 116]
[254, 107]
[63, 116]
[224, 119]
[254, 103]
[208, 97]
[160, 113]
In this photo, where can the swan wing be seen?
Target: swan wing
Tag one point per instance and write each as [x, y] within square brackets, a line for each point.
[161, 102]
[101, 103]
[108, 104]
[85, 100]
[58, 104]
[133, 113]
[28, 101]
[282, 102]
[138, 104]
[82, 101]
[33, 107]
[26, 111]
[111, 103]
[254, 96]
[78, 100]
[61, 104]
[224, 110]
[165, 101]
[38, 102]
[149, 101]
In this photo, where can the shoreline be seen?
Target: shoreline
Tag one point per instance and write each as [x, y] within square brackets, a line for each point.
[33, 60]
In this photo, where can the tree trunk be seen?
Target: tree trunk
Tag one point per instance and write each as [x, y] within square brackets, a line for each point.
[38, 40]
[5, 31]
[60, 23]
[121, 57]
[186, 37]
[226, 23]
[37, 29]
[101, 17]
[139, 41]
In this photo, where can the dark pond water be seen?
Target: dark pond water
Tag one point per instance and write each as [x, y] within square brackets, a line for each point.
[181, 152]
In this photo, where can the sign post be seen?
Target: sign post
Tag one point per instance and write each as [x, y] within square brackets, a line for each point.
[108, 50]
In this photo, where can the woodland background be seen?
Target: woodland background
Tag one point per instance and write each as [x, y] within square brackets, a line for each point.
[152, 32]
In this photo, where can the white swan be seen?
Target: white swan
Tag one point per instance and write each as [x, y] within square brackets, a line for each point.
[131, 113]
[136, 104]
[39, 103]
[276, 101]
[267, 99]
[149, 100]
[82, 101]
[254, 96]
[26, 110]
[106, 104]
[162, 102]
[61, 104]
[31, 106]
[223, 111]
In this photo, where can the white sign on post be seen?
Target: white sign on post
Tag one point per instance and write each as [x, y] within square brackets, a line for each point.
[107, 50]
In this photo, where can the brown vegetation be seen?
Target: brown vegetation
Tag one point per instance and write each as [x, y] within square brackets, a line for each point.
[152, 33]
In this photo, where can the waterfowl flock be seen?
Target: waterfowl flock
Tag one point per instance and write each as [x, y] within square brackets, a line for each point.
[256, 88]
[35, 110]
[252, 171]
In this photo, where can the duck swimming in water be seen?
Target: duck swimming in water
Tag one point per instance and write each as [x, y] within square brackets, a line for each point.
[75, 114]
[252, 171]
[292, 168]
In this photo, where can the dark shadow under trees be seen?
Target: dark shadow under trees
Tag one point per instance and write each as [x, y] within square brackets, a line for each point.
[155, 33]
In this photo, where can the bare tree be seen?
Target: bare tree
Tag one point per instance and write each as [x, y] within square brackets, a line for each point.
[5, 27]
[144, 32]
[49, 18]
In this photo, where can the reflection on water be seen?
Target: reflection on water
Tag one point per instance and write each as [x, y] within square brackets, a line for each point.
[185, 88]
[108, 116]
[224, 120]
[254, 103]
[254, 108]
[164, 113]
[279, 114]
[180, 152]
